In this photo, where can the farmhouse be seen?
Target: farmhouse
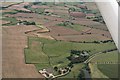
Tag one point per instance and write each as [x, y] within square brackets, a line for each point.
[78, 56]
[84, 54]
[46, 74]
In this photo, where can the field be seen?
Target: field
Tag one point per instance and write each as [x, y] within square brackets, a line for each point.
[48, 42]
[82, 38]
[45, 52]
[96, 73]
[106, 63]
[75, 71]
[106, 57]
[107, 69]
[13, 59]
[12, 21]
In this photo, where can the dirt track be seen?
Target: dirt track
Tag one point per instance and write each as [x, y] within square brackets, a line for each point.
[14, 42]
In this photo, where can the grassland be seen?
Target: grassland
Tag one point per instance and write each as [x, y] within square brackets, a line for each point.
[45, 53]
[105, 70]
[76, 27]
[10, 12]
[13, 21]
[110, 70]
[34, 53]
[106, 57]
[95, 72]
[74, 71]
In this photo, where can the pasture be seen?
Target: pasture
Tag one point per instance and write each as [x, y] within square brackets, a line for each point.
[110, 70]
[106, 65]
[12, 21]
[111, 57]
[46, 53]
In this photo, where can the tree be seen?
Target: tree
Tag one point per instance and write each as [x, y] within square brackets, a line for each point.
[70, 65]
[71, 10]
[56, 68]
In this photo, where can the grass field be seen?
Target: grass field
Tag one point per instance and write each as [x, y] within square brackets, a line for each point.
[102, 69]
[45, 53]
[13, 21]
[110, 70]
[34, 53]
[76, 27]
[74, 71]
[9, 12]
[106, 57]
[95, 72]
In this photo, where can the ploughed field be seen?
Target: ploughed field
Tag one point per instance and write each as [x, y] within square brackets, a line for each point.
[49, 32]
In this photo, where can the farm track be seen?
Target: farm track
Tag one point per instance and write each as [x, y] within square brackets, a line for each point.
[14, 42]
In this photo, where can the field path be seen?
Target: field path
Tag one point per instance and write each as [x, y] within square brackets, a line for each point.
[13, 60]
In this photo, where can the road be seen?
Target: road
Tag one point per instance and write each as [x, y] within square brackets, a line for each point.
[87, 75]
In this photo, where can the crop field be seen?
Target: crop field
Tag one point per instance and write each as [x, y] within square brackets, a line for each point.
[4, 22]
[5, 4]
[91, 24]
[13, 58]
[82, 38]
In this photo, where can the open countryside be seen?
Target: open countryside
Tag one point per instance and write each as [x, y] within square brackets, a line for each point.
[56, 40]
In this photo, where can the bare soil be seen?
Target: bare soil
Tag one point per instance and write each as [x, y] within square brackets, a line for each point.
[13, 59]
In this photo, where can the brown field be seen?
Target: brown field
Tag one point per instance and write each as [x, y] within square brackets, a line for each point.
[57, 11]
[23, 15]
[54, 18]
[97, 31]
[91, 5]
[13, 60]
[19, 7]
[90, 23]
[4, 22]
[7, 10]
[43, 6]
[86, 37]
[5, 4]
[57, 30]
[61, 8]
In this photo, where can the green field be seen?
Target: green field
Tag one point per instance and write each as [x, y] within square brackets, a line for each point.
[45, 53]
[76, 27]
[106, 57]
[74, 71]
[95, 72]
[13, 21]
[102, 69]
[110, 70]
